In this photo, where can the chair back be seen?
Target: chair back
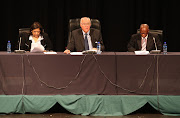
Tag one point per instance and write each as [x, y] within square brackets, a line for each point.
[22, 30]
[157, 32]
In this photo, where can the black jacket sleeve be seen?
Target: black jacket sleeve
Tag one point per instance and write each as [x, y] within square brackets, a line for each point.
[46, 42]
[132, 45]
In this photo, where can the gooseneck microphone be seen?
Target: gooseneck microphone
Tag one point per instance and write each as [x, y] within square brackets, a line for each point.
[155, 43]
[19, 51]
[155, 51]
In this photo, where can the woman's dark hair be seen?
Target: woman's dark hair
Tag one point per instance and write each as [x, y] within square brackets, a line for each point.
[36, 25]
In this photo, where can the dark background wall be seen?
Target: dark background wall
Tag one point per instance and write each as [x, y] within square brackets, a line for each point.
[119, 19]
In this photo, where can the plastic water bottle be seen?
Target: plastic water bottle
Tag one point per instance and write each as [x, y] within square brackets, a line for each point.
[9, 47]
[98, 48]
[164, 48]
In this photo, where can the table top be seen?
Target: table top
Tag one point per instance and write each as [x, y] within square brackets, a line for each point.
[103, 53]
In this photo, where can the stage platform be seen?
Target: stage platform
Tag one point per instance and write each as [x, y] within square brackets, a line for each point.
[110, 84]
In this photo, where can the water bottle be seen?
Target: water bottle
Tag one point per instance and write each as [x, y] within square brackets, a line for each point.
[9, 47]
[98, 48]
[164, 48]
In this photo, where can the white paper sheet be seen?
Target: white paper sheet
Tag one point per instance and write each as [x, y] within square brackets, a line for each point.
[37, 48]
[50, 52]
[76, 53]
[141, 52]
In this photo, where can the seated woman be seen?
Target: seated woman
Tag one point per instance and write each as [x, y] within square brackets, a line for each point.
[36, 39]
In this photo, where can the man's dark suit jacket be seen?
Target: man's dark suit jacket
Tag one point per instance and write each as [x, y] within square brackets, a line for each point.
[26, 43]
[135, 42]
[76, 42]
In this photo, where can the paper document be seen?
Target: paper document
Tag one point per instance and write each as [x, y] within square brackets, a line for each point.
[50, 52]
[37, 48]
[76, 53]
[141, 52]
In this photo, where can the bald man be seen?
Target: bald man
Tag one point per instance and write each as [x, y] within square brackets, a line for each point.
[84, 38]
[144, 40]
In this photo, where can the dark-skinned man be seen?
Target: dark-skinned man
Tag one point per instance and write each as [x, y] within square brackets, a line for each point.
[144, 40]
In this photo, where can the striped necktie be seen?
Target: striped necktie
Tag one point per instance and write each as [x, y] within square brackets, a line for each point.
[86, 42]
[143, 44]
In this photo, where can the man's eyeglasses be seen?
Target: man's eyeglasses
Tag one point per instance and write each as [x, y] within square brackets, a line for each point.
[85, 23]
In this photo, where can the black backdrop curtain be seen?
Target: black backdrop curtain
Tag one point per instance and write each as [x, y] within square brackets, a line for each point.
[119, 19]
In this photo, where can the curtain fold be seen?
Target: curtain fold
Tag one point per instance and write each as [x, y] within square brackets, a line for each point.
[94, 105]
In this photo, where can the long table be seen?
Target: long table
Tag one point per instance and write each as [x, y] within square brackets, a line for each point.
[111, 73]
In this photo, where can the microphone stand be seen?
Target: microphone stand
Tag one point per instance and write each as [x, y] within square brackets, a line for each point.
[155, 51]
[19, 51]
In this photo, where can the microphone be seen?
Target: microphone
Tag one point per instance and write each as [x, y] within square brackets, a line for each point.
[155, 51]
[19, 51]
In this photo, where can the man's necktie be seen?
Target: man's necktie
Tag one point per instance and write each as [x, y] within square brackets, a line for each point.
[86, 42]
[143, 44]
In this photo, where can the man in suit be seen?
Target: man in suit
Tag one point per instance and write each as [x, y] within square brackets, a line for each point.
[84, 38]
[144, 40]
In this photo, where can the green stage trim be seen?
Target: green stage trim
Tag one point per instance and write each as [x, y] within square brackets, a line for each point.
[95, 105]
